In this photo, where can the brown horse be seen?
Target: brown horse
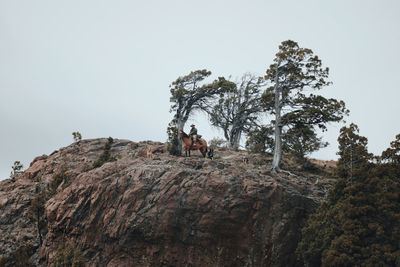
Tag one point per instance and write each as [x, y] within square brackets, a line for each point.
[200, 145]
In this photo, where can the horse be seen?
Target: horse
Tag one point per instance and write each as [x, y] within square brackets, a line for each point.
[200, 145]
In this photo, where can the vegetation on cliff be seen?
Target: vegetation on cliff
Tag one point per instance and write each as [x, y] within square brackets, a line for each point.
[280, 112]
[359, 225]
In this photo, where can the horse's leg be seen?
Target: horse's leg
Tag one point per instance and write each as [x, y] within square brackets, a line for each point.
[204, 152]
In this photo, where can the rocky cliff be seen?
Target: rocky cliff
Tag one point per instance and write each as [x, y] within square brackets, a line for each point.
[107, 202]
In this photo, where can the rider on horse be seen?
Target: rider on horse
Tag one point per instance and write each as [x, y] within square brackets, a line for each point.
[193, 134]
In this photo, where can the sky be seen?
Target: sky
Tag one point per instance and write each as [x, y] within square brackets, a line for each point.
[103, 68]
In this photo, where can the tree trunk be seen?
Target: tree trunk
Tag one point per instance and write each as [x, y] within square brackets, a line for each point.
[278, 126]
[234, 140]
[180, 125]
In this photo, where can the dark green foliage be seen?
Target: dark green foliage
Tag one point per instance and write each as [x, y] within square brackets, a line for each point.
[260, 140]
[358, 226]
[301, 140]
[295, 72]
[392, 154]
[69, 255]
[353, 153]
[173, 142]
[106, 155]
[77, 136]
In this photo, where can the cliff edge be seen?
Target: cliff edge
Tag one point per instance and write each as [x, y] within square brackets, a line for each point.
[105, 202]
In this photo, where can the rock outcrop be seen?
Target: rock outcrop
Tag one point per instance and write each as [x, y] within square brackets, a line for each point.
[143, 207]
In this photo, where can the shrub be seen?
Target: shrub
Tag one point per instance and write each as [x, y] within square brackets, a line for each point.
[106, 156]
[16, 169]
[217, 142]
[77, 136]
[59, 178]
[173, 141]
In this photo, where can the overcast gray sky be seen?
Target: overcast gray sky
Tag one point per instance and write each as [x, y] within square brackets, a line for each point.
[103, 67]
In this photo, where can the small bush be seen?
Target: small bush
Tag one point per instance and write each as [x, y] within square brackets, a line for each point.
[16, 169]
[106, 156]
[58, 179]
[77, 136]
[217, 142]
[173, 139]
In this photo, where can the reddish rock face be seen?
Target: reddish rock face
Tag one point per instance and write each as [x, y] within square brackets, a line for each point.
[147, 208]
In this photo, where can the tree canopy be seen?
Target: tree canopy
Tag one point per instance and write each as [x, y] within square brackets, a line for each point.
[296, 72]
[190, 93]
[353, 153]
[237, 110]
[359, 224]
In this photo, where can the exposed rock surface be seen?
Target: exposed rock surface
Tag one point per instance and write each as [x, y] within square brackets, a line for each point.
[147, 208]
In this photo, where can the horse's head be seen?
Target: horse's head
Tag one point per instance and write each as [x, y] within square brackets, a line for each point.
[182, 134]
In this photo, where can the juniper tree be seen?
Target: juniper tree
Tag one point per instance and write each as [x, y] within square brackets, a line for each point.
[392, 154]
[190, 93]
[353, 152]
[237, 110]
[358, 224]
[301, 140]
[260, 140]
[294, 74]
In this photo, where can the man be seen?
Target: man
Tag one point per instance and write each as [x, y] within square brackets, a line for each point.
[193, 134]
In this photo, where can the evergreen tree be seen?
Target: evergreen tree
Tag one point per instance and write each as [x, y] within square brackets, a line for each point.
[260, 140]
[359, 225]
[173, 138]
[353, 152]
[301, 140]
[294, 73]
[392, 154]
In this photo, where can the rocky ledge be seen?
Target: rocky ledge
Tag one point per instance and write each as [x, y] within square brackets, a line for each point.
[107, 202]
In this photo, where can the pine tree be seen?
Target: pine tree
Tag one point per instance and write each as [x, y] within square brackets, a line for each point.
[392, 154]
[353, 152]
[295, 72]
[359, 225]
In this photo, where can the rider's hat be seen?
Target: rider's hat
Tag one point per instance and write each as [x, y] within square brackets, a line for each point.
[192, 125]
